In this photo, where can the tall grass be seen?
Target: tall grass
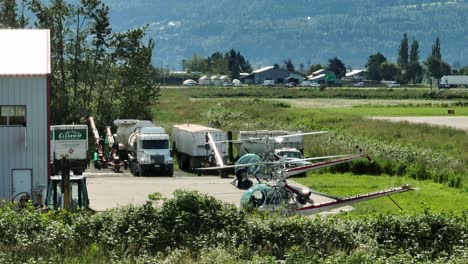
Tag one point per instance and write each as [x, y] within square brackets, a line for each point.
[417, 151]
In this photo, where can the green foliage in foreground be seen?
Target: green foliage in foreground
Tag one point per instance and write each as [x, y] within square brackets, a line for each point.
[197, 228]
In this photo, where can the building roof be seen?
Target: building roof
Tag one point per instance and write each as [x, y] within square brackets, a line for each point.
[318, 77]
[319, 71]
[354, 72]
[263, 69]
[25, 52]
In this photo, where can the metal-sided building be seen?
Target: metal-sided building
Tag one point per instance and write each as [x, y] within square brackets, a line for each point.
[24, 113]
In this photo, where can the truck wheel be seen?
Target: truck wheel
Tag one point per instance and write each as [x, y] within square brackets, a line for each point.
[170, 171]
[77, 172]
[141, 172]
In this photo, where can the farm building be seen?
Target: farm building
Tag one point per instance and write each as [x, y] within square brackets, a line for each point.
[269, 73]
[215, 80]
[24, 113]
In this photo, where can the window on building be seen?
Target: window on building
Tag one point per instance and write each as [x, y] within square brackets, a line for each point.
[12, 115]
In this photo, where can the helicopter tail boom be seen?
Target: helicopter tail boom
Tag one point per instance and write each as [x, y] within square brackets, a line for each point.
[317, 208]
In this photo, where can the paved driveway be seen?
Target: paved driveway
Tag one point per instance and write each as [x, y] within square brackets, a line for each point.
[107, 189]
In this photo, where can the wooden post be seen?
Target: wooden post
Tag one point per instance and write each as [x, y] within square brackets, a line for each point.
[66, 187]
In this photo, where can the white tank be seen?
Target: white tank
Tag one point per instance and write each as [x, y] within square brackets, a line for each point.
[129, 129]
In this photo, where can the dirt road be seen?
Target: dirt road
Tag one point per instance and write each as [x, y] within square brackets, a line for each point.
[458, 122]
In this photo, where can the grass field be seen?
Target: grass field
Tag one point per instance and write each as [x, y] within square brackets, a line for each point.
[440, 149]
[433, 196]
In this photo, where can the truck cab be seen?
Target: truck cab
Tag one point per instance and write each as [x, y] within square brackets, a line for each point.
[292, 156]
[153, 153]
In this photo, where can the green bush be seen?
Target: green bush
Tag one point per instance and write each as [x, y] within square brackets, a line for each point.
[195, 228]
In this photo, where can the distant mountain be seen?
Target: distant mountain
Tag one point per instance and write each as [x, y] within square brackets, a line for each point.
[307, 31]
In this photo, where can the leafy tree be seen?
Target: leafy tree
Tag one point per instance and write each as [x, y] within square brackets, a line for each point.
[56, 17]
[414, 72]
[373, 66]
[95, 72]
[436, 67]
[8, 14]
[197, 64]
[337, 66]
[289, 65]
[134, 85]
[218, 64]
[389, 71]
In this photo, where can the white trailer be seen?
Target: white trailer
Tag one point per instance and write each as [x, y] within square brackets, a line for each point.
[262, 141]
[455, 80]
[189, 142]
[69, 141]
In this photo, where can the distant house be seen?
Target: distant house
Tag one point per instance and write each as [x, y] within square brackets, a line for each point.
[270, 73]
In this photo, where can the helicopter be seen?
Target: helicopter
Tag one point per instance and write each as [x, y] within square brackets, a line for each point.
[273, 193]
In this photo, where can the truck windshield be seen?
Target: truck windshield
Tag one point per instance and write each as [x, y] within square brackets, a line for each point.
[155, 144]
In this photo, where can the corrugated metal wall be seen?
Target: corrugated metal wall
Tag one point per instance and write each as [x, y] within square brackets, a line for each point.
[24, 147]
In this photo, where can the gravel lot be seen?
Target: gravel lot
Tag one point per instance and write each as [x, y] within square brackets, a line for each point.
[458, 122]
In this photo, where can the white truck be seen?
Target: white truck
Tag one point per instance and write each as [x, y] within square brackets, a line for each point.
[189, 142]
[263, 141]
[145, 146]
[71, 141]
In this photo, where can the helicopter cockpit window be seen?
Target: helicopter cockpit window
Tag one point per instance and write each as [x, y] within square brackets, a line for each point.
[258, 198]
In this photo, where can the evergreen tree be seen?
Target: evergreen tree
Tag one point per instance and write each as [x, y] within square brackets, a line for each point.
[403, 53]
[436, 49]
[289, 65]
[414, 52]
[414, 71]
